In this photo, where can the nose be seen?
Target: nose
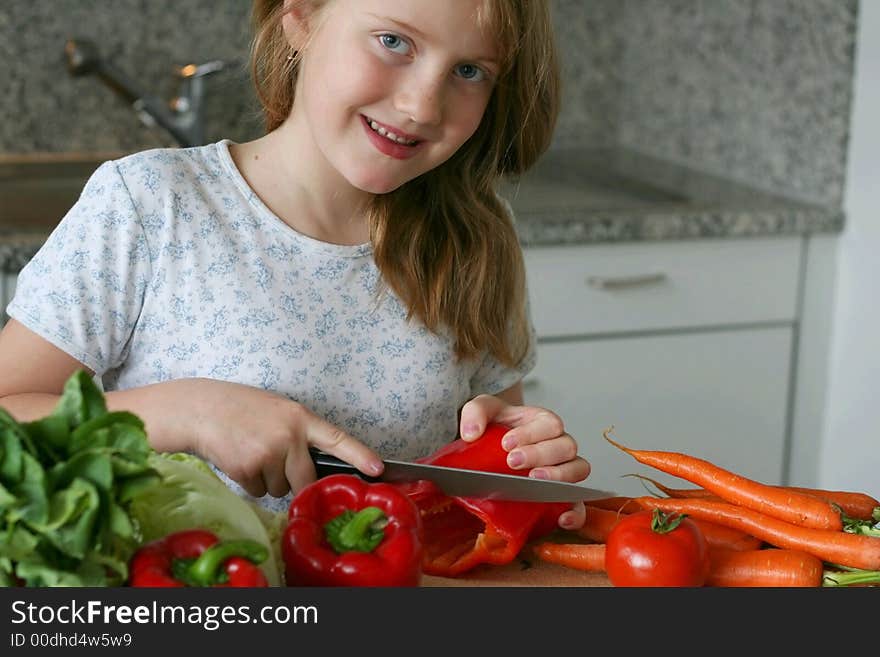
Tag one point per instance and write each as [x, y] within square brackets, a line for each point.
[421, 99]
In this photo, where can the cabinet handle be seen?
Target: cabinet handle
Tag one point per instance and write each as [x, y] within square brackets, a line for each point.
[622, 282]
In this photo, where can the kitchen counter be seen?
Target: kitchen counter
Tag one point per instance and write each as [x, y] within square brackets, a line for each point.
[569, 197]
[587, 196]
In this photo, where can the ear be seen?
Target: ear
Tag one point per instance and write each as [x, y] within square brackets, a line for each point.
[295, 21]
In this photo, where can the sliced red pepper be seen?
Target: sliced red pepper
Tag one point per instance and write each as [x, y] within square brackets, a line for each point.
[344, 531]
[460, 533]
[196, 557]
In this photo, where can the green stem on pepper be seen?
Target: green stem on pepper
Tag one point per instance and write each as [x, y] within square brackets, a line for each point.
[358, 531]
[206, 569]
[378, 546]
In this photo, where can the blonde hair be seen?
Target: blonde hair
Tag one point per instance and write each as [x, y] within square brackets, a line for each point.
[444, 242]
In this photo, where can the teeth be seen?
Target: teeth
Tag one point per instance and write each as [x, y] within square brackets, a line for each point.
[390, 135]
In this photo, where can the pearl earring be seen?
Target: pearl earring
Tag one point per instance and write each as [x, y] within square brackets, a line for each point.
[290, 57]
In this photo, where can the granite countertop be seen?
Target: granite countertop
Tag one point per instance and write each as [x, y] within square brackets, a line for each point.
[570, 197]
[590, 196]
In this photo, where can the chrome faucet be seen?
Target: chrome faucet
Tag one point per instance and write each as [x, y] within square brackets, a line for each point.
[181, 117]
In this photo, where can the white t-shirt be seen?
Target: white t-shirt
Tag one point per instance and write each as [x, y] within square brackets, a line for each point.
[169, 266]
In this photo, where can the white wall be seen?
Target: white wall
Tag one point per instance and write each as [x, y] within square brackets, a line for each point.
[850, 454]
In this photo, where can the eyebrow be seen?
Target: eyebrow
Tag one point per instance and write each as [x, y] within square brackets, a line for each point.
[406, 27]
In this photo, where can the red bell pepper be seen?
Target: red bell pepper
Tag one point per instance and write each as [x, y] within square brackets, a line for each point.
[344, 531]
[196, 557]
[460, 533]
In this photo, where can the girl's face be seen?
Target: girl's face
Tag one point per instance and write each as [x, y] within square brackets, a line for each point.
[391, 89]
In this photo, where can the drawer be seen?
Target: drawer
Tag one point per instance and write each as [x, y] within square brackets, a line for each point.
[648, 286]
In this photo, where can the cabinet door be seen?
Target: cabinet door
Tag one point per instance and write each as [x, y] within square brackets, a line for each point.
[719, 395]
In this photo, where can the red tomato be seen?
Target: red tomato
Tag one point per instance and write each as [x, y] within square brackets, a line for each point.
[652, 548]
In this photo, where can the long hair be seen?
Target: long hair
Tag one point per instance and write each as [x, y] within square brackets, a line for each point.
[444, 242]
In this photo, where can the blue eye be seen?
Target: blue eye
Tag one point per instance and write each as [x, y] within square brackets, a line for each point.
[394, 43]
[471, 72]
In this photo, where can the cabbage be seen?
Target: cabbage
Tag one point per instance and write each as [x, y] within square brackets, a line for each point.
[191, 496]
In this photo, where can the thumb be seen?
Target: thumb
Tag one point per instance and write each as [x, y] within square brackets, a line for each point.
[480, 411]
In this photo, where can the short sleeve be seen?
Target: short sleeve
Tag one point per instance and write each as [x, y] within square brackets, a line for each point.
[84, 288]
[493, 377]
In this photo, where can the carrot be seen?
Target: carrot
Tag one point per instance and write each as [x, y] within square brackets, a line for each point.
[619, 503]
[701, 493]
[763, 568]
[770, 567]
[790, 506]
[598, 523]
[722, 537]
[581, 556]
[837, 547]
[855, 505]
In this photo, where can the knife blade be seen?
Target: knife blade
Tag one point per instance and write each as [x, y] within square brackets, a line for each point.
[465, 483]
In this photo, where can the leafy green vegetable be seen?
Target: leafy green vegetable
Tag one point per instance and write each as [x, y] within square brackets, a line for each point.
[192, 495]
[66, 484]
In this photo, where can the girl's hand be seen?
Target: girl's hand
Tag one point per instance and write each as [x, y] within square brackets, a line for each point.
[536, 442]
[260, 439]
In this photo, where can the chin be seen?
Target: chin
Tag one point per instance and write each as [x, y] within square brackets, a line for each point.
[373, 185]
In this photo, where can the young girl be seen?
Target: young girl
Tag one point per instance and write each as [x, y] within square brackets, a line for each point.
[349, 281]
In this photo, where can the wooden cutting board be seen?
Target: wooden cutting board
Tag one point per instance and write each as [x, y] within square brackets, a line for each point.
[539, 574]
[525, 570]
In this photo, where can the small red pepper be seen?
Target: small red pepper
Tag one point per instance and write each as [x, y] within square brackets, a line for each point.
[196, 557]
[344, 531]
[460, 533]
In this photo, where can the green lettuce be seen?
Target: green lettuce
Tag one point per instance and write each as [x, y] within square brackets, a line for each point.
[66, 484]
[193, 496]
[81, 490]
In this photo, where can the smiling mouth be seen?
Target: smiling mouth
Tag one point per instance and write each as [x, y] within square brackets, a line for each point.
[388, 134]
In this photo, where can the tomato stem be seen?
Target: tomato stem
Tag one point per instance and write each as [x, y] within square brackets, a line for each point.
[663, 523]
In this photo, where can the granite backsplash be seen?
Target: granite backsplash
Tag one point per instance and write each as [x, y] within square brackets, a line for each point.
[756, 90]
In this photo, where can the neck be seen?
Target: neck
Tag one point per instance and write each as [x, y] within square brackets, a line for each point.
[288, 173]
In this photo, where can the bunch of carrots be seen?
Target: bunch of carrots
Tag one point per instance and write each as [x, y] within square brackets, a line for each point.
[758, 535]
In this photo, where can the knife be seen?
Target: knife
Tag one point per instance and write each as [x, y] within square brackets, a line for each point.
[465, 483]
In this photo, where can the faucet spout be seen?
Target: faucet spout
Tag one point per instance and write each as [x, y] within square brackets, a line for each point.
[183, 122]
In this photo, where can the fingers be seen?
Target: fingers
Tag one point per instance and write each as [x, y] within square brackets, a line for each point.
[333, 440]
[299, 470]
[537, 440]
[478, 412]
[555, 458]
[255, 487]
[572, 471]
[575, 518]
[280, 463]
[481, 410]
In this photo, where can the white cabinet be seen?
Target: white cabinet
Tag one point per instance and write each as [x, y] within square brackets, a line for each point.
[682, 346]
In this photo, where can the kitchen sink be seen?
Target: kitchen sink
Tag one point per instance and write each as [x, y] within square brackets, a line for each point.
[37, 191]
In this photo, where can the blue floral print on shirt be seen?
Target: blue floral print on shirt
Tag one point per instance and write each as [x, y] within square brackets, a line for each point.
[169, 266]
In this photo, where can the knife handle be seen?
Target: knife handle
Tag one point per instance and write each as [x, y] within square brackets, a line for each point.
[326, 464]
